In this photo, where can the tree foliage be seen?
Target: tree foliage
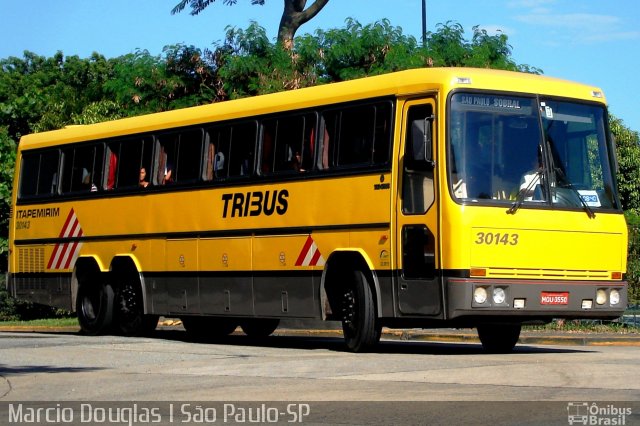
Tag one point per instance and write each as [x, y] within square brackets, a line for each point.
[248, 64]
[628, 176]
[38, 93]
[628, 147]
[7, 161]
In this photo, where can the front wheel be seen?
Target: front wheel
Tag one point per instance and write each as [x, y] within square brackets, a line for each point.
[94, 307]
[499, 338]
[359, 323]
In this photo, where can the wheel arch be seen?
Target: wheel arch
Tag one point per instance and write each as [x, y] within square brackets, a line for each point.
[84, 266]
[338, 261]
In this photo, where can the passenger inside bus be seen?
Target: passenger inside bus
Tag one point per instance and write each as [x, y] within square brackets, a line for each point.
[530, 180]
[143, 183]
[168, 174]
[218, 162]
[296, 162]
[86, 181]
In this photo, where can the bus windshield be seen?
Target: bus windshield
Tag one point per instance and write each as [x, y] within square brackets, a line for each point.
[529, 151]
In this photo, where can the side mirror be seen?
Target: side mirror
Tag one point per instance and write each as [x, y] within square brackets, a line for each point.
[419, 152]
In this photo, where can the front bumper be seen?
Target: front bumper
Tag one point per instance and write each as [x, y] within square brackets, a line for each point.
[536, 298]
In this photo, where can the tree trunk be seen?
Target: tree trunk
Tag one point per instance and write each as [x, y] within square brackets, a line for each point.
[294, 16]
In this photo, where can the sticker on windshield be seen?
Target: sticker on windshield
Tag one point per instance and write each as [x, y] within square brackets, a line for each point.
[548, 112]
[590, 198]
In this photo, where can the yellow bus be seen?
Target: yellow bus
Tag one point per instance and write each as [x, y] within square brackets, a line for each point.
[444, 197]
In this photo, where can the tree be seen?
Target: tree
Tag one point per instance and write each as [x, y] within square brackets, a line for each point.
[364, 50]
[448, 47]
[38, 93]
[248, 64]
[628, 176]
[628, 147]
[143, 83]
[295, 14]
[7, 161]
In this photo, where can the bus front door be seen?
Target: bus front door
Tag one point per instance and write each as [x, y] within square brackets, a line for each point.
[418, 285]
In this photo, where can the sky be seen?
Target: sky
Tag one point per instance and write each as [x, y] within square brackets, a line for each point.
[589, 41]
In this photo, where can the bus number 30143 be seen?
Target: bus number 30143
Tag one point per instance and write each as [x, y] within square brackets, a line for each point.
[497, 238]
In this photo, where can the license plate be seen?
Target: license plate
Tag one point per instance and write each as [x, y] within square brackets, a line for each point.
[547, 298]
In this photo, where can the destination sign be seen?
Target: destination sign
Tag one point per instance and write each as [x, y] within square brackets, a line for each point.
[507, 104]
[490, 101]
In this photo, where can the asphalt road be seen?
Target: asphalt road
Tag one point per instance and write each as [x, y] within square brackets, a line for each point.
[403, 382]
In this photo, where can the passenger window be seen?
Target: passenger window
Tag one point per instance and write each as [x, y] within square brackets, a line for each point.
[125, 160]
[242, 149]
[382, 133]
[218, 140]
[39, 175]
[355, 144]
[230, 150]
[29, 174]
[82, 168]
[287, 144]
[328, 140]
[356, 136]
[179, 157]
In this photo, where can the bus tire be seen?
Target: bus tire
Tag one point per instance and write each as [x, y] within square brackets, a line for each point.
[260, 327]
[94, 307]
[499, 338]
[202, 328]
[359, 323]
[129, 316]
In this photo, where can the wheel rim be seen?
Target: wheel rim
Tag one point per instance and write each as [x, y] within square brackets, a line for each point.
[88, 309]
[349, 313]
[129, 312]
[360, 326]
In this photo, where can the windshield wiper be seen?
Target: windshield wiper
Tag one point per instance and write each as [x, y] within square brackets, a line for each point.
[567, 184]
[524, 192]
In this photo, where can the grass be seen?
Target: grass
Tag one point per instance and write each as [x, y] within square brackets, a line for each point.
[49, 322]
[586, 326]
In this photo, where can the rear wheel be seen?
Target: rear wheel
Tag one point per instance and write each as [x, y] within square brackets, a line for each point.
[260, 327]
[130, 319]
[359, 323]
[499, 338]
[94, 307]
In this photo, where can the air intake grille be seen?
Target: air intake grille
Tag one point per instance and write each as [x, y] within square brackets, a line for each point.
[547, 274]
[31, 260]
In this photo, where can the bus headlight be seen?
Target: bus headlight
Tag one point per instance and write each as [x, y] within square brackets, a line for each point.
[614, 297]
[499, 295]
[601, 296]
[480, 295]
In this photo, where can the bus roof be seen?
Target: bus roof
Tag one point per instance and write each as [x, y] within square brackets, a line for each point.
[402, 83]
